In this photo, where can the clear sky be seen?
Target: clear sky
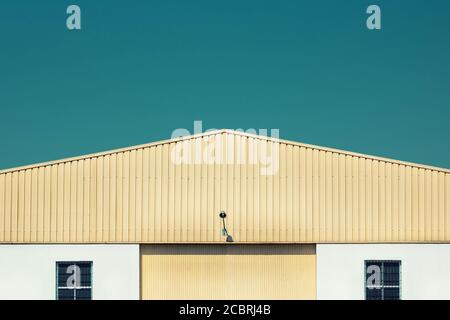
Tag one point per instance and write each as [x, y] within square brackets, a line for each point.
[137, 70]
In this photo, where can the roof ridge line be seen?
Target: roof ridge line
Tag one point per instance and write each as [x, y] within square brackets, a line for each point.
[221, 131]
[339, 151]
[112, 151]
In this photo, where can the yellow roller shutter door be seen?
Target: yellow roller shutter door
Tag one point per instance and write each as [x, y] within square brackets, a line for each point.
[228, 272]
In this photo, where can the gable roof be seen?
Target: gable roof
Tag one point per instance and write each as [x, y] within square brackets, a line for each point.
[229, 131]
[310, 194]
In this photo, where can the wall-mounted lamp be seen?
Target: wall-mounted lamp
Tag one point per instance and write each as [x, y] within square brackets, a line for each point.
[223, 215]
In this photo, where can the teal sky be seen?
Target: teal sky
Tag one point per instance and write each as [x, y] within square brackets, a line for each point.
[140, 69]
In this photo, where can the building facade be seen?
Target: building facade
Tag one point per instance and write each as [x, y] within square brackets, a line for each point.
[306, 222]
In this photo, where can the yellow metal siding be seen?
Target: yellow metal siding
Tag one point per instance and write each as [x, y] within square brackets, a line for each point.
[141, 195]
[228, 272]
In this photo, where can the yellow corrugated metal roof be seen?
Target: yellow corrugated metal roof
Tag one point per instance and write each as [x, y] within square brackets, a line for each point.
[229, 131]
[311, 194]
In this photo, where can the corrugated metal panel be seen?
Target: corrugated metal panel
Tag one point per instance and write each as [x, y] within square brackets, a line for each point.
[228, 272]
[142, 195]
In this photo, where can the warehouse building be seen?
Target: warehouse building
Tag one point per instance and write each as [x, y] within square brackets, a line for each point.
[298, 222]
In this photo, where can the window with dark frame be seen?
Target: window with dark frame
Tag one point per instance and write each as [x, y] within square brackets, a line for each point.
[74, 280]
[382, 279]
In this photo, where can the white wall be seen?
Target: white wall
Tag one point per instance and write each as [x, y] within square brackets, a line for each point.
[29, 271]
[424, 269]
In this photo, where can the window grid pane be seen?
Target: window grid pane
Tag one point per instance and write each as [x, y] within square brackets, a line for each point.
[382, 280]
[74, 280]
